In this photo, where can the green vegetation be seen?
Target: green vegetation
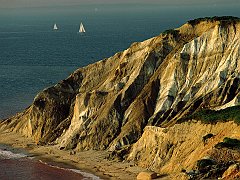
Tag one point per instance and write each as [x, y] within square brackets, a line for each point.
[206, 137]
[173, 32]
[212, 116]
[203, 163]
[229, 143]
[215, 18]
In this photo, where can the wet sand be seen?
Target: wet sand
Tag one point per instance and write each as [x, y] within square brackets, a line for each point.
[94, 162]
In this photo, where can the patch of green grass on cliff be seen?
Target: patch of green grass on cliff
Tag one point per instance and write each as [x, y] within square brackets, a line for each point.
[212, 116]
[229, 143]
[173, 32]
[215, 18]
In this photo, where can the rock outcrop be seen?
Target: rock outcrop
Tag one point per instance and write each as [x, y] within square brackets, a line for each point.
[107, 105]
[233, 172]
[147, 175]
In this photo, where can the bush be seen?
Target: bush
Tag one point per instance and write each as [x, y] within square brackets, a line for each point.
[172, 32]
[215, 18]
[229, 143]
[206, 137]
[211, 116]
[203, 163]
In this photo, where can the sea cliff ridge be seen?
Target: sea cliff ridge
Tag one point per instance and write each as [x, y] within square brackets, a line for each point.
[152, 103]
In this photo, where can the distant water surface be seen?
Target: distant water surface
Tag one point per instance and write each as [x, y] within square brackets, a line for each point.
[33, 56]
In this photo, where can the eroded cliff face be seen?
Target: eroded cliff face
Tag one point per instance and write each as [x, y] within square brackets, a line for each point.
[171, 149]
[106, 105]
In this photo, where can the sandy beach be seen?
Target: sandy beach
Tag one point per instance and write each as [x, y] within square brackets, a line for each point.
[94, 162]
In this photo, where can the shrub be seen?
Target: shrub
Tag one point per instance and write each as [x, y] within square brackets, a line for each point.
[172, 32]
[203, 163]
[215, 18]
[229, 143]
[211, 116]
[206, 137]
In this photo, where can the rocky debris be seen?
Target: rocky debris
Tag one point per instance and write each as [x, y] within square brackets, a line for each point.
[213, 171]
[120, 154]
[72, 152]
[192, 174]
[233, 172]
[209, 168]
[147, 175]
[203, 163]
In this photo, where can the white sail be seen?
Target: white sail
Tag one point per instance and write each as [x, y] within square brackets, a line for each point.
[82, 29]
[55, 27]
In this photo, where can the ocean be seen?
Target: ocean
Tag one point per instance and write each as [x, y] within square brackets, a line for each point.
[33, 56]
[17, 165]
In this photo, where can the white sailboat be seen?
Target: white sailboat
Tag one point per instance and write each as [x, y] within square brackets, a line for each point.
[55, 27]
[81, 28]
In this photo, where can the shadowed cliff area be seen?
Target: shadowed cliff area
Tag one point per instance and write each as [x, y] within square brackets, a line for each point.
[158, 83]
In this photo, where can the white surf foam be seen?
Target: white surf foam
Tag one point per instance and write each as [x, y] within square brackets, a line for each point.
[10, 155]
[87, 176]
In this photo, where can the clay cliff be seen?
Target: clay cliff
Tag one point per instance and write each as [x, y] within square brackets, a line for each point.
[154, 84]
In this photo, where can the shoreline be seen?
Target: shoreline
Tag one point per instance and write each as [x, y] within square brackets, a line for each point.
[91, 161]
